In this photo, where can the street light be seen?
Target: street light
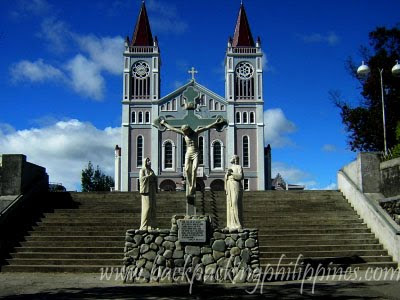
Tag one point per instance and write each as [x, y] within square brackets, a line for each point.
[363, 71]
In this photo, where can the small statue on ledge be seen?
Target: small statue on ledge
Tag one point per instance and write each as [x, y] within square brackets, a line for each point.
[234, 195]
[148, 190]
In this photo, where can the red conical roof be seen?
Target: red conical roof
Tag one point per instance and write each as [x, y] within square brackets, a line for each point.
[242, 36]
[142, 35]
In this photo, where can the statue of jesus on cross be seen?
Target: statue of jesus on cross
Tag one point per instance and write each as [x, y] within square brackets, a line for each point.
[190, 127]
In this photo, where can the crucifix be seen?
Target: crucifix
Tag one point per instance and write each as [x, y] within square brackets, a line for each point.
[190, 127]
[193, 71]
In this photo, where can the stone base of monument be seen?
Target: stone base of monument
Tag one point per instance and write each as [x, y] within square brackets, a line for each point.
[191, 251]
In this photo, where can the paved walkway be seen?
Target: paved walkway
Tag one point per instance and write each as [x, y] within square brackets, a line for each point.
[89, 286]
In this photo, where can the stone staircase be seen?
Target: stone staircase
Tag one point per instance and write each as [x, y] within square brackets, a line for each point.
[88, 232]
[321, 226]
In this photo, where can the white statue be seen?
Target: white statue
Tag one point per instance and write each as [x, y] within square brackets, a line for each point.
[234, 195]
[192, 151]
[148, 190]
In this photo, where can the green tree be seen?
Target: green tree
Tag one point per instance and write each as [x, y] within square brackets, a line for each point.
[95, 180]
[363, 123]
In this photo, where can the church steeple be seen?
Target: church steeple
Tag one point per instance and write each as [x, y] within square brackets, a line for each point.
[142, 35]
[242, 36]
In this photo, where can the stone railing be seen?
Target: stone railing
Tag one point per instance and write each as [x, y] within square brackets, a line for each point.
[161, 256]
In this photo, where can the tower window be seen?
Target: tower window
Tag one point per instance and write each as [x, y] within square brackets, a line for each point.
[147, 117]
[244, 81]
[252, 117]
[245, 145]
[238, 119]
[133, 117]
[140, 117]
[139, 151]
[245, 117]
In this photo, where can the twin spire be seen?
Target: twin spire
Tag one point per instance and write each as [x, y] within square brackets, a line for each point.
[142, 35]
[242, 36]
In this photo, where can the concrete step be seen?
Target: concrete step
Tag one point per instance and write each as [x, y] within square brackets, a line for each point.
[58, 255]
[311, 231]
[323, 253]
[320, 237]
[73, 243]
[291, 248]
[119, 250]
[305, 242]
[41, 238]
[343, 260]
[88, 230]
[64, 262]
[56, 269]
[317, 226]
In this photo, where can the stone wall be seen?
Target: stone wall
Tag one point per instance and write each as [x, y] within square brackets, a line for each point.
[390, 177]
[159, 256]
[392, 207]
[18, 175]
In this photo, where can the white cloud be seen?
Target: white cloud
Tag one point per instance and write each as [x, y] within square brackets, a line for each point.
[330, 38]
[36, 71]
[293, 175]
[55, 33]
[166, 18]
[64, 148]
[290, 174]
[277, 127]
[85, 77]
[329, 148]
[27, 8]
[105, 52]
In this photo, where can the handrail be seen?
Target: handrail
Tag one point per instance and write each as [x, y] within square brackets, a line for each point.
[374, 206]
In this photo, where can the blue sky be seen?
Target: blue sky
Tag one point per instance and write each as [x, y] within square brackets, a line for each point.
[61, 66]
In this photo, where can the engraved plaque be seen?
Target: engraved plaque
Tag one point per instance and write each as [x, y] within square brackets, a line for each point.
[192, 231]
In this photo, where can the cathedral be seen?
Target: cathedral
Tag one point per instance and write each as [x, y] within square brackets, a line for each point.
[242, 106]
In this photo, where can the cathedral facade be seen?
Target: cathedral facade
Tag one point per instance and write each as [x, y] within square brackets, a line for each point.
[242, 106]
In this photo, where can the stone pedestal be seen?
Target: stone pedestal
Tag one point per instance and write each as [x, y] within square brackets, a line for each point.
[171, 255]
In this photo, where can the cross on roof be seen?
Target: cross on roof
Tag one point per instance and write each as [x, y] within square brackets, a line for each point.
[193, 71]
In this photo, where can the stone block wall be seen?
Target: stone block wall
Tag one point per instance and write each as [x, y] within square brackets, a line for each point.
[390, 177]
[159, 256]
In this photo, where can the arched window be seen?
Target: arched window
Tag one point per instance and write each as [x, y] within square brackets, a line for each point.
[211, 104]
[245, 158]
[174, 104]
[163, 107]
[147, 117]
[216, 107]
[168, 155]
[169, 106]
[217, 155]
[245, 120]
[133, 117]
[252, 117]
[140, 117]
[201, 147]
[139, 151]
[222, 107]
[238, 121]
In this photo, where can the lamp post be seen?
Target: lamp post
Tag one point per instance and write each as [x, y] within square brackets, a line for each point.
[363, 71]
